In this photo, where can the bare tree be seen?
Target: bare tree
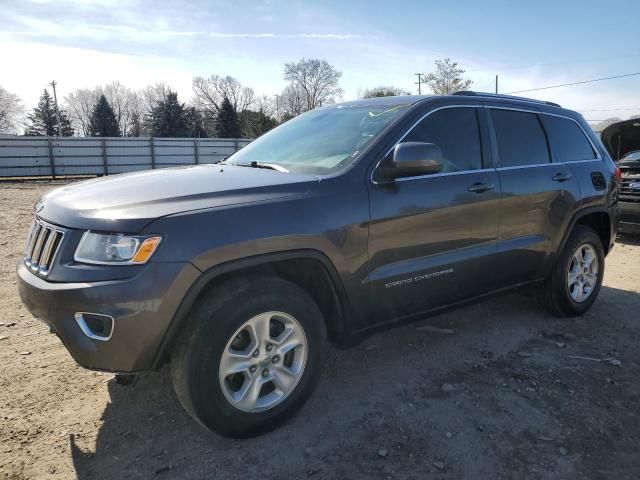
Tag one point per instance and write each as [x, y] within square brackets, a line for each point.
[292, 102]
[154, 94]
[128, 106]
[11, 112]
[318, 80]
[79, 104]
[211, 92]
[118, 97]
[383, 92]
[136, 110]
[447, 78]
[266, 104]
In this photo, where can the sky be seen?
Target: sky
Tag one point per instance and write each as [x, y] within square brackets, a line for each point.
[139, 42]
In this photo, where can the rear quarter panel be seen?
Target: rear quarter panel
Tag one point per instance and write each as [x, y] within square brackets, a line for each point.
[591, 198]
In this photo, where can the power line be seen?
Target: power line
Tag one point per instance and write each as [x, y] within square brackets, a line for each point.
[575, 83]
[522, 67]
[610, 109]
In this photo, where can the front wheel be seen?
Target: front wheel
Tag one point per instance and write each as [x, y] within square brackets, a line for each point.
[250, 356]
[576, 278]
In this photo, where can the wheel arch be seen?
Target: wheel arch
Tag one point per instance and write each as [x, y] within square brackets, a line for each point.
[598, 218]
[309, 269]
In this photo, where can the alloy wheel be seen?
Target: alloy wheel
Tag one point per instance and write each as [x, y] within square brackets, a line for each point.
[263, 361]
[582, 273]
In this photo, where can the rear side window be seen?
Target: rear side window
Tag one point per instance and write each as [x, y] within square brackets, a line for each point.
[456, 132]
[521, 140]
[568, 141]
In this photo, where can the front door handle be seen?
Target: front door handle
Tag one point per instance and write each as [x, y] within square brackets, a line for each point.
[479, 187]
[561, 177]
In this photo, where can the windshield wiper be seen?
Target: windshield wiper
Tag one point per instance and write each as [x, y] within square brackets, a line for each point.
[270, 166]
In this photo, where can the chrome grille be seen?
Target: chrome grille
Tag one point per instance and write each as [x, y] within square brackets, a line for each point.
[630, 177]
[42, 245]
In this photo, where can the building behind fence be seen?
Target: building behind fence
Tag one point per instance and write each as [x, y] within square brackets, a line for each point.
[64, 156]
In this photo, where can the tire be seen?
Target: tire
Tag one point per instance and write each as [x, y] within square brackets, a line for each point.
[224, 323]
[570, 300]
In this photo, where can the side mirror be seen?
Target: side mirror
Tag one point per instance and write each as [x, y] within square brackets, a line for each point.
[412, 159]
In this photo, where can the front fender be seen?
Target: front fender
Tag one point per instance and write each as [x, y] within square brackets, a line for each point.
[211, 274]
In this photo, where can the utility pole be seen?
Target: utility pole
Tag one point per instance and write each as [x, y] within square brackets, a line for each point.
[419, 82]
[496, 84]
[277, 108]
[55, 102]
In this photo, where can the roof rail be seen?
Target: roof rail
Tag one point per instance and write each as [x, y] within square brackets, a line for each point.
[471, 93]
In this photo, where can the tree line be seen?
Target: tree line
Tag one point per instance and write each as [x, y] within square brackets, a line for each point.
[220, 107]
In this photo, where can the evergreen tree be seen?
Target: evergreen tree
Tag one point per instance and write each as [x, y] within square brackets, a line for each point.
[136, 127]
[195, 119]
[43, 119]
[257, 123]
[169, 118]
[103, 121]
[228, 124]
[383, 92]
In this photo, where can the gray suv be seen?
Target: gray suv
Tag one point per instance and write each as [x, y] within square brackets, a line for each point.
[345, 220]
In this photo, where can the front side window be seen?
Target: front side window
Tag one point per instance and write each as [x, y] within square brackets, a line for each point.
[568, 141]
[321, 141]
[456, 132]
[521, 140]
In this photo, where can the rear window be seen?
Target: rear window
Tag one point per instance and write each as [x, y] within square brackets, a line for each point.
[521, 140]
[568, 141]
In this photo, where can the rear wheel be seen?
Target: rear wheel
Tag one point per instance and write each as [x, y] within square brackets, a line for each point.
[250, 356]
[576, 278]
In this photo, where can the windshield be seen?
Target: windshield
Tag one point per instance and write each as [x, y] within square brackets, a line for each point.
[631, 157]
[320, 141]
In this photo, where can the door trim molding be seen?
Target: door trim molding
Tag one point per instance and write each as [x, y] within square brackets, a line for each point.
[485, 107]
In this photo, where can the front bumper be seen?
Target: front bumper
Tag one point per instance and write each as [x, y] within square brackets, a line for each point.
[629, 217]
[142, 307]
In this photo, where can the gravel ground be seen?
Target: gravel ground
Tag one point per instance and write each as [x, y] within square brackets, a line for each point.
[505, 391]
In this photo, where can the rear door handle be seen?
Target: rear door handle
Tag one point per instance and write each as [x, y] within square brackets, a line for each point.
[561, 177]
[480, 187]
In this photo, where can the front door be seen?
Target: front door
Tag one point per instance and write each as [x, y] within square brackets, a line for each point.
[432, 239]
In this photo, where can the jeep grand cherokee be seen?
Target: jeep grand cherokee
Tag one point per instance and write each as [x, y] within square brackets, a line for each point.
[341, 221]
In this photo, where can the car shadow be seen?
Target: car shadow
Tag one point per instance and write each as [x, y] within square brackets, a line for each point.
[381, 408]
[628, 239]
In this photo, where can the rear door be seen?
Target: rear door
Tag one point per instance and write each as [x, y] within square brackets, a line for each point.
[432, 239]
[538, 195]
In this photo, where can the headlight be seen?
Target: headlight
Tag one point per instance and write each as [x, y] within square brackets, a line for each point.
[115, 248]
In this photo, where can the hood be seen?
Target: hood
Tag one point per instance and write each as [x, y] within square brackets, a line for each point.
[126, 203]
[621, 138]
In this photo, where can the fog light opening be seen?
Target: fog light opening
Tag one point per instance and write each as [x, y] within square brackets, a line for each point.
[95, 325]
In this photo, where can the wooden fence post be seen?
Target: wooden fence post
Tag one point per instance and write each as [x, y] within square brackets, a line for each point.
[104, 156]
[153, 154]
[52, 162]
[195, 150]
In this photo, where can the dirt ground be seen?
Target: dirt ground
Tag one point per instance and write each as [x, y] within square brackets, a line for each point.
[508, 392]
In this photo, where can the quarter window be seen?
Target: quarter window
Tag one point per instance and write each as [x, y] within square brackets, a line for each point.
[521, 140]
[568, 141]
[456, 132]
